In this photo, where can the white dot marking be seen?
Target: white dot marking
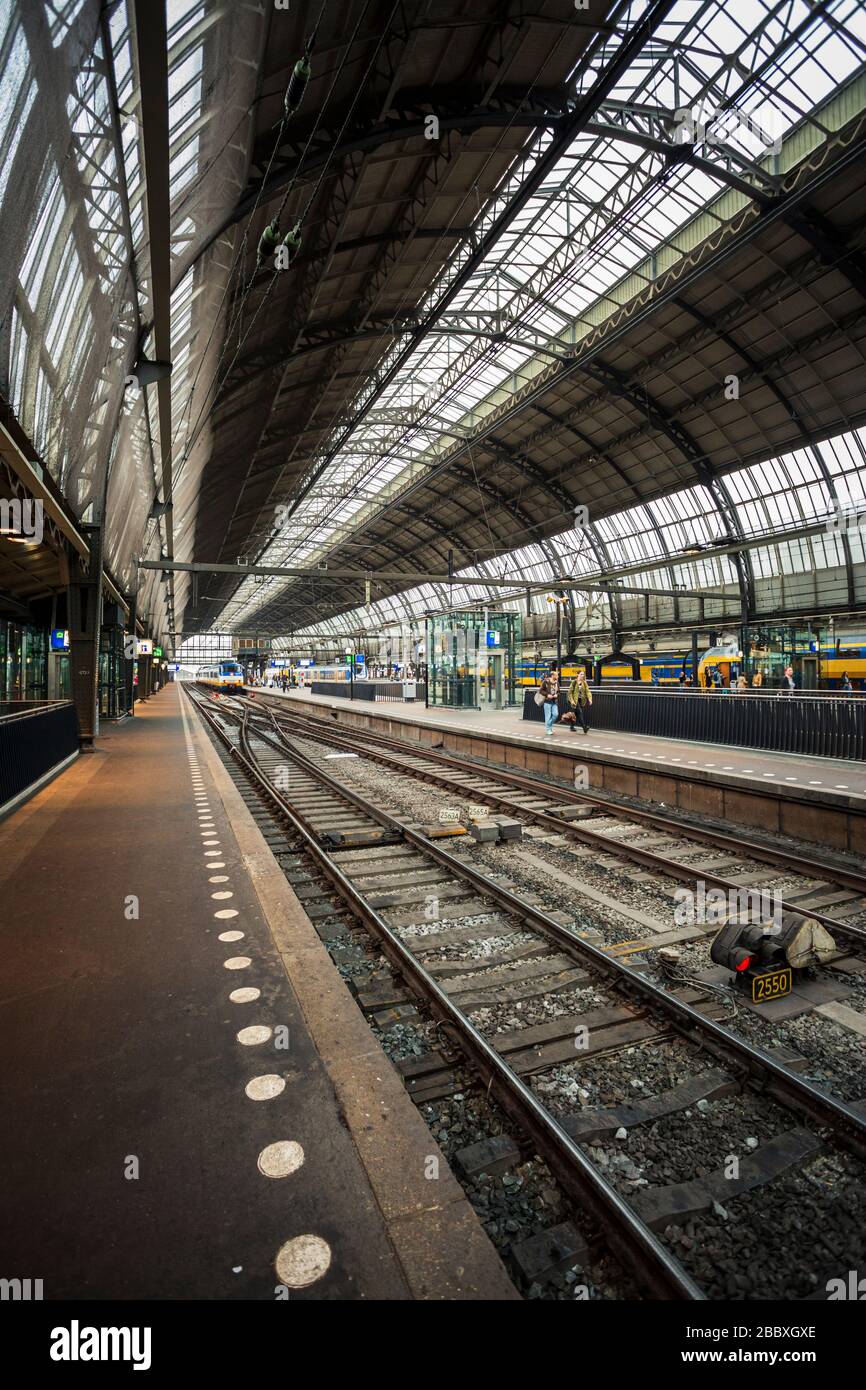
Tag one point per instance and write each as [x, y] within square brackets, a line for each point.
[255, 1034]
[245, 995]
[237, 962]
[265, 1088]
[281, 1159]
[303, 1260]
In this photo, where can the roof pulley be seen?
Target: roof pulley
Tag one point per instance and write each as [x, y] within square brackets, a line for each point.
[268, 241]
[288, 248]
[297, 85]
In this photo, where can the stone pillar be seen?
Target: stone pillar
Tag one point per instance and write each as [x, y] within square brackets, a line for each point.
[85, 620]
[129, 654]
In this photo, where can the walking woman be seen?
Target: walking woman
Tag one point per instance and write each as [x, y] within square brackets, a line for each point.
[580, 700]
[549, 693]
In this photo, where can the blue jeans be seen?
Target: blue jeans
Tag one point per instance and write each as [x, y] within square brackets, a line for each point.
[551, 714]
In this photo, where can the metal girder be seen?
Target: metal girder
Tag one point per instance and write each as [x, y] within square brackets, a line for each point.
[299, 168]
[654, 128]
[665, 291]
[327, 336]
[514, 588]
[688, 447]
[408, 108]
[808, 443]
[566, 131]
[833, 250]
[152, 62]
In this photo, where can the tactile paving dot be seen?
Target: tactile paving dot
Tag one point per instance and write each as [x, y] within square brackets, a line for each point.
[256, 1033]
[265, 1087]
[303, 1260]
[247, 995]
[281, 1159]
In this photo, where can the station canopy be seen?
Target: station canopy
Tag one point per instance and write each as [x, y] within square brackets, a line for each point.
[563, 293]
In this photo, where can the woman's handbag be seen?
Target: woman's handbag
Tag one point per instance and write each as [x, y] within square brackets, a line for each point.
[538, 697]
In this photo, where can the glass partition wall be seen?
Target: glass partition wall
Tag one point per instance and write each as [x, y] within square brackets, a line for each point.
[471, 659]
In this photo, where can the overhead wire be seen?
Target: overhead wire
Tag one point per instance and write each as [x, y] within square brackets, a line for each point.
[326, 166]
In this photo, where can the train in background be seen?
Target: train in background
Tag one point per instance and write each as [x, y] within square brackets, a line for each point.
[224, 675]
[847, 656]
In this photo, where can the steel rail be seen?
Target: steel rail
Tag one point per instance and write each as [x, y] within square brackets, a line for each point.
[847, 1123]
[786, 859]
[639, 1250]
[596, 840]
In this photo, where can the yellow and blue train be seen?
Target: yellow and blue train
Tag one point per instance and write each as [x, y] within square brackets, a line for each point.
[847, 657]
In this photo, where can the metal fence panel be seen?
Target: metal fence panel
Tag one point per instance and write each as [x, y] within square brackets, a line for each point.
[823, 726]
[32, 741]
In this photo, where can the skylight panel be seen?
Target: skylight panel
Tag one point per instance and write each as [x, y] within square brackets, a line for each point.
[45, 235]
[61, 17]
[15, 126]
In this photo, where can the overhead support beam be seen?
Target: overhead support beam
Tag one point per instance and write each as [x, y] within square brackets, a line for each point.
[152, 60]
[566, 131]
[602, 580]
[667, 289]
[366, 141]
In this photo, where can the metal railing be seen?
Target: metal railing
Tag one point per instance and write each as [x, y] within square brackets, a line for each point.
[35, 735]
[828, 725]
[378, 691]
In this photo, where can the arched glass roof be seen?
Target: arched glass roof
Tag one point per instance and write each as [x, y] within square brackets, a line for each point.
[296, 433]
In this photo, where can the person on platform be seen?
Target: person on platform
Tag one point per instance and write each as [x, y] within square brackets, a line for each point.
[550, 694]
[788, 685]
[742, 683]
[845, 683]
[580, 700]
[757, 680]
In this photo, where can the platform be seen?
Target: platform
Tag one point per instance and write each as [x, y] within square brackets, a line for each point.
[822, 800]
[141, 1121]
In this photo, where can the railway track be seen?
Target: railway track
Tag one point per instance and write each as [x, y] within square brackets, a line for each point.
[387, 873]
[551, 807]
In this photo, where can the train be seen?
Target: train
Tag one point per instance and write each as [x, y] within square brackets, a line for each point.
[225, 675]
[666, 667]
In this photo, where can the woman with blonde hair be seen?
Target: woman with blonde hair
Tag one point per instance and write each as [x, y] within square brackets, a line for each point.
[580, 700]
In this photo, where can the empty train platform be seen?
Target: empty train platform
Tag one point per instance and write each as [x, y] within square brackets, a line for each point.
[192, 1105]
